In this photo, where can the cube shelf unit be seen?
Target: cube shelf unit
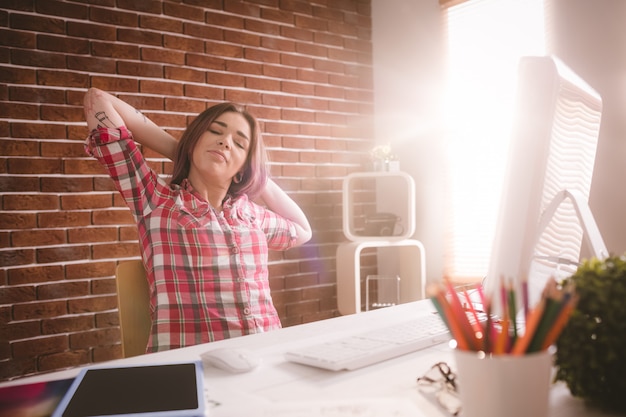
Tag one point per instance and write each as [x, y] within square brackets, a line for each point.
[406, 256]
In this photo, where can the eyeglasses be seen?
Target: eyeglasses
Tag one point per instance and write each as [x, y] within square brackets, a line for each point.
[441, 381]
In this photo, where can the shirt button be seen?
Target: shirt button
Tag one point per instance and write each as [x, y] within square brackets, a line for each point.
[246, 311]
[234, 250]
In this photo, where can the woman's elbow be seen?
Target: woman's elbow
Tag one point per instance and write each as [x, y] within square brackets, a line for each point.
[303, 235]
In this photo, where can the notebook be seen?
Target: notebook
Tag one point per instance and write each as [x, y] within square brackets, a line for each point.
[171, 389]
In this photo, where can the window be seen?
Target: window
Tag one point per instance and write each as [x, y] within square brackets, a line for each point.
[485, 40]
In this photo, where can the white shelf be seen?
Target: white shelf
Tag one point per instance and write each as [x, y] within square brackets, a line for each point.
[398, 184]
[411, 269]
[395, 193]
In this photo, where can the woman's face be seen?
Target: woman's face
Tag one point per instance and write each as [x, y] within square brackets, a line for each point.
[221, 151]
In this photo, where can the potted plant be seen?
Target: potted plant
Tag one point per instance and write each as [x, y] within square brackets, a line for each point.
[384, 159]
[591, 350]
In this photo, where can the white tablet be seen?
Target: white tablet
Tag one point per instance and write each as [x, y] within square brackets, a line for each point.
[172, 390]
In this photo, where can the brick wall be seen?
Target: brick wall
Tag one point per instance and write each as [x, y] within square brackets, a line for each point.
[303, 67]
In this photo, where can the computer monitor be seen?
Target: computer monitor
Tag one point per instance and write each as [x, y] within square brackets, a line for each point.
[544, 214]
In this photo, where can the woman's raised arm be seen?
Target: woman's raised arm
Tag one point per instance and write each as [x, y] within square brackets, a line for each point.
[279, 202]
[105, 110]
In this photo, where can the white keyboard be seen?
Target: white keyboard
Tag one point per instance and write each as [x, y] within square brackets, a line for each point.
[363, 349]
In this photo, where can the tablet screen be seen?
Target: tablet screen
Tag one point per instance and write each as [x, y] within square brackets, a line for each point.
[171, 389]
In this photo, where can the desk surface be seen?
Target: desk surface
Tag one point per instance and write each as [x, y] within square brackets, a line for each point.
[279, 388]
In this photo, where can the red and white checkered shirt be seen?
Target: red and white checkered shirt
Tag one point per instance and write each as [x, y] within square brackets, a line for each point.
[207, 269]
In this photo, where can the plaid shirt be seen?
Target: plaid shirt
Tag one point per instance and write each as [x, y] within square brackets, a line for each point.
[207, 270]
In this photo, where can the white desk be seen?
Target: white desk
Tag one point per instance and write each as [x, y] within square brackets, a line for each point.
[279, 388]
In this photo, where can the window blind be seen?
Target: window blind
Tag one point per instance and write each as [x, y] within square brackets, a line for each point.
[485, 39]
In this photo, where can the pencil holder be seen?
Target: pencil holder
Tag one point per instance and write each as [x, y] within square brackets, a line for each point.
[503, 385]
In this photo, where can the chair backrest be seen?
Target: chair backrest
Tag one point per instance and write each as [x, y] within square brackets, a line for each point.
[133, 299]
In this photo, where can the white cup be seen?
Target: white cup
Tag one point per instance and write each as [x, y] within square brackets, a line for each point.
[503, 385]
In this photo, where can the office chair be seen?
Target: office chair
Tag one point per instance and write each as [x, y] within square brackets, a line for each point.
[133, 299]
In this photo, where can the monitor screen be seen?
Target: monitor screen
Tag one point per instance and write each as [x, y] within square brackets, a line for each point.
[544, 215]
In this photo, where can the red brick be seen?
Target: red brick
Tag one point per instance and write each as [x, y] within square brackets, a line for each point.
[39, 346]
[61, 360]
[82, 202]
[38, 310]
[17, 294]
[115, 250]
[277, 15]
[224, 21]
[91, 269]
[38, 59]
[103, 286]
[17, 257]
[139, 37]
[17, 38]
[17, 367]
[161, 87]
[18, 221]
[202, 91]
[113, 17]
[17, 75]
[241, 38]
[35, 274]
[18, 330]
[37, 95]
[62, 44]
[10, 147]
[202, 31]
[19, 184]
[66, 184]
[92, 304]
[63, 290]
[38, 237]
[225, 79]
[139, 69]
[329, 91]
[107, 353]
[37, 23]
[61, 113]
[298, 88]
[262, 84]
[114, 50]
[92, 234]
[19, 111]
[61, 8]
[184, 74]
[67, 79]
[122, 216]
[162, 24]
[63, 219]
[90, 30]
[205, 62]
[39, 166]
[128, 233]
[153, 6]
[241, 9]
[107, 319]
[164, 56]
[328, 66]
[183, 11]
[62, 254]
[85, 166]
[278, 44]
[179, 43]
[263, 27]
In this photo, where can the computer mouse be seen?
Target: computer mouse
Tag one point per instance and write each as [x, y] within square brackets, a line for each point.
[231, 359]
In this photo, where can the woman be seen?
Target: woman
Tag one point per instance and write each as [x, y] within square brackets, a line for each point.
[204, 243]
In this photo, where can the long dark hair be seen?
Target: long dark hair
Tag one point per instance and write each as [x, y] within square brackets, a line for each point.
[254, 171]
